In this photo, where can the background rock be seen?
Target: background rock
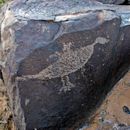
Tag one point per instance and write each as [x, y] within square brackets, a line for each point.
[111, 114]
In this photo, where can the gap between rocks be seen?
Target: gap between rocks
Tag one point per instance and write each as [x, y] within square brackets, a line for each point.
[127, 2]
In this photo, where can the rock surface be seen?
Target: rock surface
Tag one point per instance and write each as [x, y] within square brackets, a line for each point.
[61, 58]
[112, 115]
[112, 1]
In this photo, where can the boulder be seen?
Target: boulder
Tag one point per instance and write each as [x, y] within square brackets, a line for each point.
[60, 58]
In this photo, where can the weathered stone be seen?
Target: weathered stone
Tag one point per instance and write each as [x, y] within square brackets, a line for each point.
[112, 1]
[2, 10]
[60, 58]
[124, 128]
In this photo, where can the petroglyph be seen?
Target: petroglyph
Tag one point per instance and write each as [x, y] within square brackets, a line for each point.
[67, 85]
[69, 61]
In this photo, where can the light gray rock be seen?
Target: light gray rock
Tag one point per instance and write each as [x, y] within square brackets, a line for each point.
[60, 58]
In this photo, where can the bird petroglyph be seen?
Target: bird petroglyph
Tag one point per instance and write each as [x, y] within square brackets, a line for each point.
[69, 61]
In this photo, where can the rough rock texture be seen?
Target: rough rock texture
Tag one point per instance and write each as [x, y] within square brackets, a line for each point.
[114, 113]
[59, 58]
[112, 1]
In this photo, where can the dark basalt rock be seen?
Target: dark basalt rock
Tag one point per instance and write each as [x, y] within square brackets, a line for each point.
[60, 58]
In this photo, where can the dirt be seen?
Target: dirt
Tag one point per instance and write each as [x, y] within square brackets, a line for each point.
[114, 113]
